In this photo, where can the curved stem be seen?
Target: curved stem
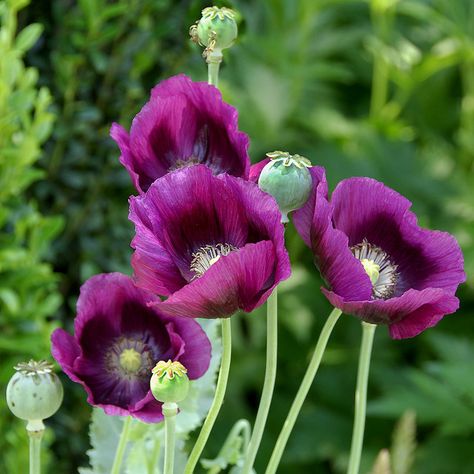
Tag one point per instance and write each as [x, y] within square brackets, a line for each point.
[268, 384]
[241, 428]
[218, 398]
[122, 444]
[302, 391]
[35, 451]
[170, 410]
[368, 331]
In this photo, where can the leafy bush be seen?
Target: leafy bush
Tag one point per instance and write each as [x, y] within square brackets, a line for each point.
[28, 288]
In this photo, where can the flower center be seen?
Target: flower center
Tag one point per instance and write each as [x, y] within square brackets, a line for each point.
[129, 358]
[207, 256]
[378, 266]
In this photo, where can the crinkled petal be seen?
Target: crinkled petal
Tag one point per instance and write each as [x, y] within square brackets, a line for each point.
[241, 280]
[155, 269]
[111, 310]
[303, 218]
[367, 209]
[121, 137]
[406, 315]
[264, 221]
[148, 409]
[102, 298]
[344, 274]
[186, 210]
[195, 354]
[256, 169]
[184, 122]
[65, 351]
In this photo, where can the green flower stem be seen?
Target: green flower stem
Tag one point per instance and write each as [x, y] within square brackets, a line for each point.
[214, 60]
[170, 410]
[302, 391]
[368, 331]
[218, 398]
[122, 444]
[268, 384]
[35, 451]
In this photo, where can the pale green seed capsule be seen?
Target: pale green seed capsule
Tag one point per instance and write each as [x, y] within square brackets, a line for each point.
[287, 178]
[216, 30]
[169, 382]
[34, 393]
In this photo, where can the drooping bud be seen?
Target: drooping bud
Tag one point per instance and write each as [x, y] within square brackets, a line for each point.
[169, 382]
[34, 393]
[216, 30]
[287, 178]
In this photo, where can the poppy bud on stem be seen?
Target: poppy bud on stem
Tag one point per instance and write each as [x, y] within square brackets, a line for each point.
[216, 30]
[287, 178]
[170, 385]
[33, 394]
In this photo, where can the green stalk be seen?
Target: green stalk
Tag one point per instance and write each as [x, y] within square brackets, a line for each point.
[213, 71]
[218, 398]
[268, 384]
[302, 391]
[35, 451]
[170, 410]
[368, 331]
[123, 441]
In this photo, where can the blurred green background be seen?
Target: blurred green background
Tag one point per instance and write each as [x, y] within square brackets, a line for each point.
[380, 88]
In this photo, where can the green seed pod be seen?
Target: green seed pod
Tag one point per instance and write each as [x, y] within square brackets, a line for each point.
[216, 30]
[169, 382]
[287, 178]
[34, 393]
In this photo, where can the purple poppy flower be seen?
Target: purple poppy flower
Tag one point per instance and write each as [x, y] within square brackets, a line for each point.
[118, 339]
[212, 244]
[366, 224]
[183, 123]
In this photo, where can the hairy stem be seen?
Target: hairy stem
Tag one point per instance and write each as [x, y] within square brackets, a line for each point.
[170, 410]
[368, 331]
[268, 384]
[122, 444]
[218, 398]
[302, 391]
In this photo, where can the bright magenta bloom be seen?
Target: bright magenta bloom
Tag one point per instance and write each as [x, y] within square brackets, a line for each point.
[183, 123]
[366, 223]
[211, 244]
[118, 338]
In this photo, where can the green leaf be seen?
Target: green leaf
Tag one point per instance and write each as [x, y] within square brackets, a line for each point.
[28, 36]
[104, 433]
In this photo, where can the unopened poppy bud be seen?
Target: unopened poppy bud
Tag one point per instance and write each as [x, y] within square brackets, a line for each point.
[287, 178]
[216, 30]
[34, 393]
[169, 382]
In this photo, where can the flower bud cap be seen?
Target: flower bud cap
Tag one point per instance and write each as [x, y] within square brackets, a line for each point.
[216, 30]
[287, 178]
[169, 382]
[34, 392]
